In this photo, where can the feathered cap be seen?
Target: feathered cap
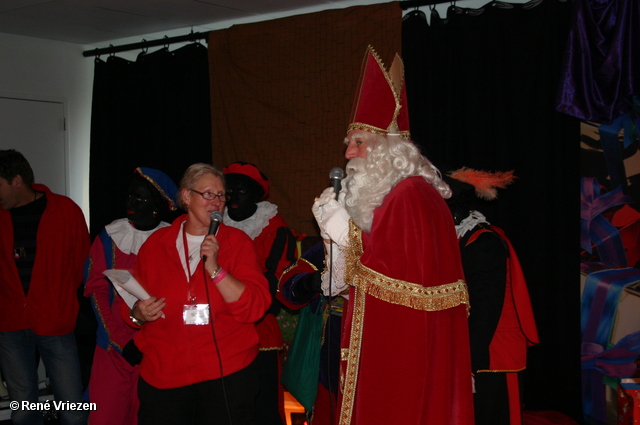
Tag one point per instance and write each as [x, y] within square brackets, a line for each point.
[250, 171]
[380, 104]
[162, 183]
[485, 183]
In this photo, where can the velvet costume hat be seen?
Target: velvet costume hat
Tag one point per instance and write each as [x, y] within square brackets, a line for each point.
[163, 184]
[380, 105]
[250, 171]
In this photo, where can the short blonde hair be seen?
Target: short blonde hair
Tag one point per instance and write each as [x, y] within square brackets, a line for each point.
[195, 173]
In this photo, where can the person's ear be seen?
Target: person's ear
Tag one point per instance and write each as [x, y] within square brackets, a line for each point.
[17, 181]
[186, 198]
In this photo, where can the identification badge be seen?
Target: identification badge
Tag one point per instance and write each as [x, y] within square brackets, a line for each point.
[196, 314]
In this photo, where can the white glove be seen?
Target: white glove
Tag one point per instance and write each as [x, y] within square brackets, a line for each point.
[332, 217]
[325, 197]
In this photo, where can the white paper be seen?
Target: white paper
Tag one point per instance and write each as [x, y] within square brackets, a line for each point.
[127, 286]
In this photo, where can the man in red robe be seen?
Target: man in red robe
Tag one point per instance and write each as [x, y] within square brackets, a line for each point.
[501, 324]
[405, 345]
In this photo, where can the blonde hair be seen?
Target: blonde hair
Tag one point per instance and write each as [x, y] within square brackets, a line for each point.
[193, 174]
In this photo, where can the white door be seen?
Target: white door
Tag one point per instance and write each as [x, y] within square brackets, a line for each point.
[36, 128]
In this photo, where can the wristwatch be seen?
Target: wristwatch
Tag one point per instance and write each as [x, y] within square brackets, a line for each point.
[215, 273]
[136, 321]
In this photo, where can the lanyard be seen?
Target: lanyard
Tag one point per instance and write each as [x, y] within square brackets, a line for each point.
[191, 292]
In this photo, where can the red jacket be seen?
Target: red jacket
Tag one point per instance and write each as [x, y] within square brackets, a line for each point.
[176, 354]
[274, 255]
[51, 306]
[113, 332]
[516, 328]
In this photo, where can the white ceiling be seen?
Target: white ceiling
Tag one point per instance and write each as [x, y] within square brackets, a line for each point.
[95, 21]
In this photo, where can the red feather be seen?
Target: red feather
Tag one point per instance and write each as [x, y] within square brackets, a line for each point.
[485, 182]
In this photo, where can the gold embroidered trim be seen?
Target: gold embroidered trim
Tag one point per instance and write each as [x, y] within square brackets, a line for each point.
[114, 249]
[501, 371]
[172, 204]
[395, 291]
[352, 357]
[271, 348]
[292, 266]
[344, 354]
[375, 130]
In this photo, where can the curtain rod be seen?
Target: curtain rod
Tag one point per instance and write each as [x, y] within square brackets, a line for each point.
[406, 4]
[193, 36]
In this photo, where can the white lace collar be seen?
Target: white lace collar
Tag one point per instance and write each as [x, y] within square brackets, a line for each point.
[253, 225]
[127, 238]
[474, 218]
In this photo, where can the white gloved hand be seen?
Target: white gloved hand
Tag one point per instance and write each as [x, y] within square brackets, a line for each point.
[332, 217]
[325, 197]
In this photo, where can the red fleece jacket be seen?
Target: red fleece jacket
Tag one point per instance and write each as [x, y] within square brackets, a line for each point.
[176, 354]
[51, 306]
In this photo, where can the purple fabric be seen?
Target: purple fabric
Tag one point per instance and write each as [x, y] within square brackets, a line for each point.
[594, 227]
[618, 361]
[601, 69]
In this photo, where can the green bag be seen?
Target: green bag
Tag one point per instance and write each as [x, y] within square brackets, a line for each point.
[301, 370]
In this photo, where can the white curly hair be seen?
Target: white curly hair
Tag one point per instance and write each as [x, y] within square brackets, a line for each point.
[390, 159]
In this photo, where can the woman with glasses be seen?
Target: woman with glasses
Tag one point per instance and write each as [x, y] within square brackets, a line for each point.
[197, 332]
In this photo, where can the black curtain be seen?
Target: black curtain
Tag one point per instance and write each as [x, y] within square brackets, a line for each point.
[481, 91]
[154, 112]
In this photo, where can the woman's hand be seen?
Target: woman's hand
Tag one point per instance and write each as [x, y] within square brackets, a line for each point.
[209, 249]
[149, 310]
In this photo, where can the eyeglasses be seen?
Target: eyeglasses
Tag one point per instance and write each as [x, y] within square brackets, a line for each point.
[222, 197]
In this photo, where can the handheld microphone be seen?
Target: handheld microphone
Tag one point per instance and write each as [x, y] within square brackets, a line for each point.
[216, 219]
[335, 175]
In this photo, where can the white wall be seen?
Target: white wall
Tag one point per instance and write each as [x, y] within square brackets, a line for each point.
[31, 67]
[44, 68]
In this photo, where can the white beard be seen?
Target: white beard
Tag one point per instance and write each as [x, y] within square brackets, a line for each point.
[364, 192]
[368, 181]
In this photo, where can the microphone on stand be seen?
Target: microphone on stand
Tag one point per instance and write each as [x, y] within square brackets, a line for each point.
[335, 176]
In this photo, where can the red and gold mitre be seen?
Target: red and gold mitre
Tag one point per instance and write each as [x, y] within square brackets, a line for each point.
[381, 99]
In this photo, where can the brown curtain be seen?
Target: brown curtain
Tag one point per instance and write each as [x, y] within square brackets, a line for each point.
[282, 91]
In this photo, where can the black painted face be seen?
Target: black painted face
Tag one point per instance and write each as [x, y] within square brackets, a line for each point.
[141, 206]
[245, 194]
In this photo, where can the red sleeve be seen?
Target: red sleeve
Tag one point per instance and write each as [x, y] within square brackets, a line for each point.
[101, 291]
[242, 263]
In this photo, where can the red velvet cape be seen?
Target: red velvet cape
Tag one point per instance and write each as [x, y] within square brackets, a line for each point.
[414, 365]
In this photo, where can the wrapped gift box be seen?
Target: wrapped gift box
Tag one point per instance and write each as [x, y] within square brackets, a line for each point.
[629, 401]
[627, 318]
[626, 321]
